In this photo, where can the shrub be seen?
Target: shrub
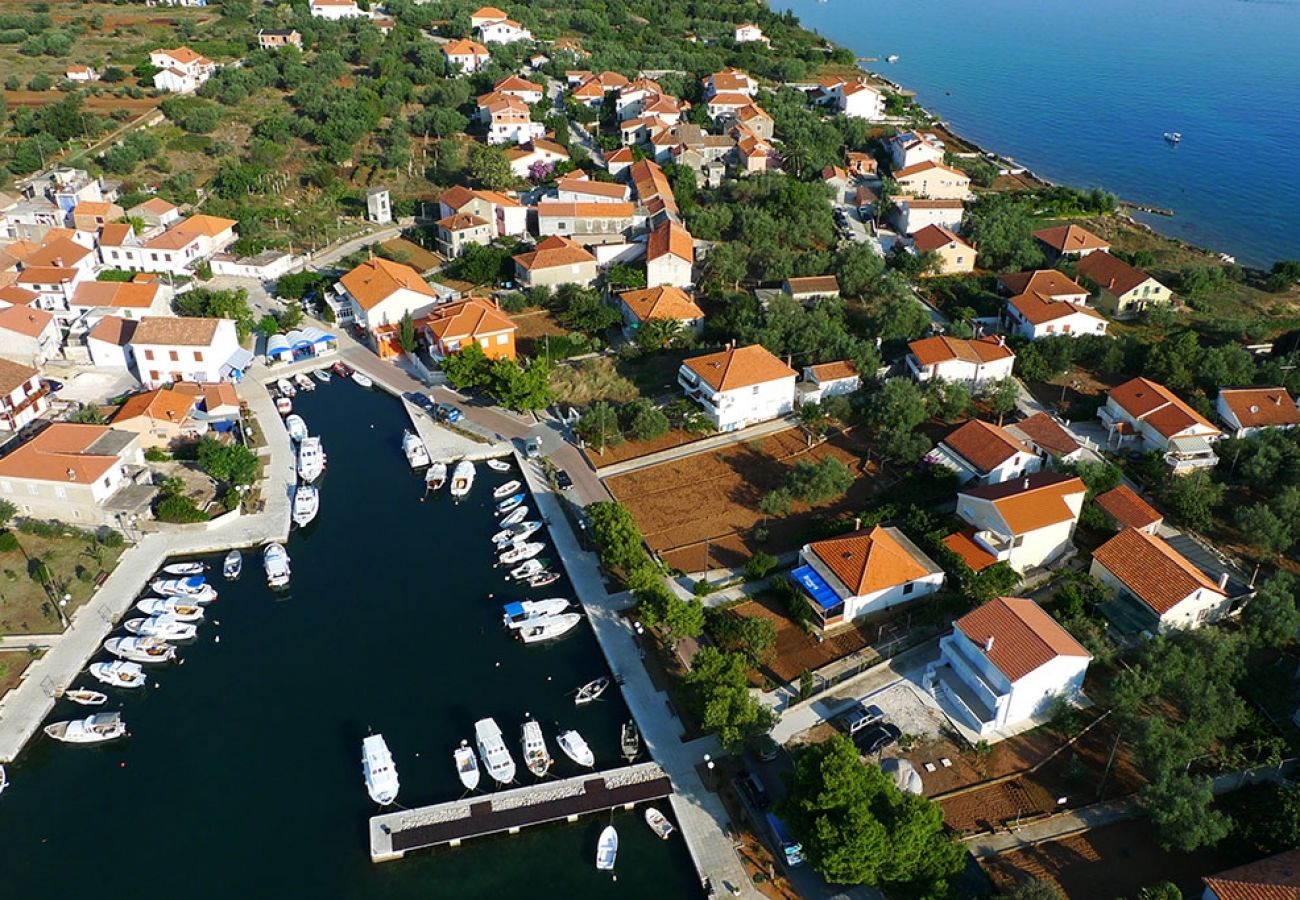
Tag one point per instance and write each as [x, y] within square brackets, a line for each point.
[759, 566]
[178, 509]
[156, 454]
[112, 539]
[8, 542]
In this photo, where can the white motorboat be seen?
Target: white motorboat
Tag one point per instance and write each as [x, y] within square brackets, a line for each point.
[500, 764]
[283, 405]
[232, 565]
[179, 608]
[436, 477]
[542, 579]
[521, 552]
[658, 823]
[591, 690]
[629, 740]
[506, 490]
[380, 773]
[296, 426]
[466, 765]
[498, 465]
[85, 697]
[119, 673]
[311, 458]
[545, 628]
[275, 561]
[462, 478]
[162, 627]
[517, 515]
[286, 388]
[91, 730]
[607, 849]
[306, 503]
[891, 58]
[417, 457]
[576, 748]
[323, 376]
[536, 757]
[304, 383]
[1173, 137]
[510, 503]
[185, 568]
[362, 380]
[517, 613]
[141, 649]
[516, 533]
[193, 588]
[527, 569]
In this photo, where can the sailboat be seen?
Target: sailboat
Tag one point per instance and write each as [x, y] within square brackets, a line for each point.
[466, 765]
[306, 503]
[436, 477]
[232, 565]
[311, 459]
[275, 560]
[119, 673]
[500, 764]
[417, 456]
[378, 769]
[296, 426]
[607, 849]
[536, 758]
[576, 748]
[462, 478]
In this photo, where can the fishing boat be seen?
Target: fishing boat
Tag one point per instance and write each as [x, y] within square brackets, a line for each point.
[629, 740]
[498, 465]
[141, 649]
[91, 730]
[542, 579]
[306, 503]
[304, 383]
[505, 490]
[658, 823]
[193, 588]
[341, 369]
[185, 568]
[500, 764]
[516, 533]
[380, 773]
[311, 459]
[576, 748]
[417, 457]
[517, 613]
[232, 565]
[527, 569]
[178, 608]
[362, 380]
[162, 627]
[285, 388]
[296, 426]
[510, 502]
[283, 405]
[517, 515]
[462, 478]
[1173, 137]
[85, 697]
[591, 690]
[536, 758]
[275, 561]
[521, 552]
[436, 477]
[322, 375]
[119, 673]
[466, 765]
[536, 629]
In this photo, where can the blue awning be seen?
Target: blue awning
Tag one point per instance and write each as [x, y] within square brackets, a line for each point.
[298, 341]
[514, 609]
[239, 361]
[816, 587]
[278, 345]
[316, 336]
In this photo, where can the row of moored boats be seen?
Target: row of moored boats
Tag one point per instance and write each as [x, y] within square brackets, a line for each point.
[285, 389]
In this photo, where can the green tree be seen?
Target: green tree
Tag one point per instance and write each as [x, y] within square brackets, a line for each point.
[682, 619]
[1193, 498]
[1034, 889]
[717, 691]
[406, 333]
[1182, 810]
[1165, 890]
[776, 503]
[87, 415]
[518, 386]
[617, 539]
[814, 482]
[657, 334]
[7, 512]
[754, 636]
[859, 269]
[490, 166]
[643, 420]
[232, 463]
[893, 415]
[1002, 395]
[468, 369]
[1271, 618]
[599, 426]
[290, 317]
[1265, 529]
[1001, 227]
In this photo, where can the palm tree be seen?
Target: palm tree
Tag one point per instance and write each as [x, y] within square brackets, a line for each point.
[657, 334]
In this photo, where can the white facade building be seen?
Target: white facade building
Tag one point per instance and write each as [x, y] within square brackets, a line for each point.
[1026, 523]
[171, 349]
[739, 387]
[975, 363]
[1160, 588]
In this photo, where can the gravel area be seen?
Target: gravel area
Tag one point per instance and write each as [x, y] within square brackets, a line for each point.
[904, 707]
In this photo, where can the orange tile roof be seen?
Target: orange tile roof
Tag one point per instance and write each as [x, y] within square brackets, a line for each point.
[14, 375]
[93, 208]
[375, 280]
[555, 250]
[730, 99]
[498, 198]
[115, 234]
[670, 239]
[166, 406]
[1261, 407]
[984, 445]
[113, 330]
[621, 155]
[1155, 404]
[742, 367]
[927, 166]
[1112, 273]
[467, 319]
[1025, 638]
[1046, 433]
[183, 55]
[135, 295]
[651, 182]
[60, 253]
[666, 302]
[869, 561]
[464, 48]
[172, 239]
[25, 320]
[17, 296]
[183, 331]
[963, 544]
[922, 203]
[1154, 572]
[1039, 505]
[156, 205]
[586, 210]
[595, 188]
[515, 83]
[941, 348]
[1048, 282]
[212, 226]
[932, 237]
[1071, 239]
[457, 197]
[60, 453]
[814, 284]
[834, 371]
[1038, 309]
[460, 222]
[1125, 506]
[46, 275]
[1274, 878]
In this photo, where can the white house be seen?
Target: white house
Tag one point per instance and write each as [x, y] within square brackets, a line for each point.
[911, 214]
[1155, 586]
[554, 261]
[23, 398]
[503, 31]
[730, 81]
[334, 10]
[379, 292]
[28, 335]
[512, 85]
[128, 299]
[1146, 414]
[856, 99]
[469, 55]
[171, 349]
[1026, 523]
[1047, 438]
[586, 223]
[983, 452]
[108, 342]
[571, 189]
[669, 256]
[748, 33]
[739, 386]
[1046, 302]
[508, 119]
[976, 362]
[1247, 411]
[642, 306]
[862, 573]
[71, 473]
[485, 15]
[1005, 664]
[81, 73]
[539, 152]
[910, 148]
[934, 181]
[181, 71]
[831, 379]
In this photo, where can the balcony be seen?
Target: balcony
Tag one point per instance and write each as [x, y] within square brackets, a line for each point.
[996, 544]
[968, 671]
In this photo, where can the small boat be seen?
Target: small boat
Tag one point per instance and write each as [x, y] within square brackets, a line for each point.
[542, 579]
[517, 613]
[185, 568]
[891, 58]
[141, 649]
[304, 383]
[462, 478]
[536, 629]
[505, 490]
[311, 459]
[1173, 137]
[417, 457]
[629, 740]
[341, 369]
[500, 764]
[466, 765]
[576, 748]
[232, 565]
[285, 388]
[436, 477]
[591, 690]
[306, 503]
[516, 533]
[527, 569]
[511, 502]
[91, 730]
[275, 561]
[322, 375]
[362, 380]
[536, 758]
[283, 405]
[658, 823]
[85, 697]
[178, 608]
[521, 552]
[164, 628]
[4, 779]
[296, 426]
[498, 465]
[378, 769]
[193, 588]
[517, 515]
[119, 673]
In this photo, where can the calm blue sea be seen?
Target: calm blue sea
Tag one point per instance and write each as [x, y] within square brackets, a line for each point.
[1081, 93]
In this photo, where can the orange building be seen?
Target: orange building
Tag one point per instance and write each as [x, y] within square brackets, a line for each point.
[449, 328]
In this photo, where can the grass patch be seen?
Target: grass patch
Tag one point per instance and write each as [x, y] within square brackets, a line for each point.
[589, 381]
[74, 562]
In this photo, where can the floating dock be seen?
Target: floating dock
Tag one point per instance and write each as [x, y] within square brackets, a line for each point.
[393, 834]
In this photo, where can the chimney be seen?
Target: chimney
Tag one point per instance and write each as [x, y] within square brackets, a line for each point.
[72, 474]
[1025, 484]
[1223, 581]
[988, 643]
[857, 523]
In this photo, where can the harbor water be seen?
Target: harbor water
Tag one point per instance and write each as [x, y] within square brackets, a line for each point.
[242, 773]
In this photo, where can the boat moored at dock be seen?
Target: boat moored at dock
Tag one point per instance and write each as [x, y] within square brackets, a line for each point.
[311, 458]
[193, 588]
[536, 757]
[306, 503]
[119, 673]
[417, 455]
[165, 628]
[466, 765]
[462, 478]
[378, 769]
[94, 729]
[492, 748]
[141, 649]
[275, 562]
[575, 747]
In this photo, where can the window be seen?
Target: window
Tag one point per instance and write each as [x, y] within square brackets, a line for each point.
[173, 356]
[909, 587]
[148, 354]
[198, 356]
[153, 375]
[503, 339]
[60, 492]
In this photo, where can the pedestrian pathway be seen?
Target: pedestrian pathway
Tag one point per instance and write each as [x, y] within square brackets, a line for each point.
[704, 445]
[27, 641]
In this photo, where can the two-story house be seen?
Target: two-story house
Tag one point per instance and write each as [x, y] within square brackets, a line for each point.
[171, 349]
[181, 71]
[1153, 586]
[982, 452]
[669, 256]
[75, 473]
[1248, 411]
[739, 386]
[1149, 416]
[665, 303]
[29, 335]
[1069, 240]
[953, 255]
[973, 362]
[1046, 302]
[910, 148]
[1047, 438]
[458, 231]
[554, 261]
[465, 56]
[23, 398]
[380, 292]
[934, 181]
[1026, 522]
[453, 326]
[1125, 291]
[585, 223]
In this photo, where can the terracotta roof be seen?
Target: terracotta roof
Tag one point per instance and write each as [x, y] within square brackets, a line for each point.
[651, 182]
[14, 375]
[25, 320]
[984, 445]
[113, 330]
[742, 367]
[730, 99]
[515, 83]
[586, 210]
[555, 250]
[488, 12]
[1155, 404]
[1125, 506]
[460, 221]
[1112, 273]
[927, 166]
[594, 188]
[184, 55]
[135, 295]
[670, 239]
[470, 318]
[375, 280]
[814, 284]
[1025, 638]
[457, 197]
[1071, 239]
[1261, 407]
[932, 237]
[464, 48]
[182, 331]
[17, 296]
[59, 453]
[1036, 501]
[870, 561]
[59, 253]
[1045, 432]
[666, 302]
[751, 112]
[93, 208]
[498, 198]
[621, 155]
[172, 239]
[1274, 878]
[1154, 572]
[963, 544]
[834, 371]
[1039, 309]
[167, 406]
[941, 348]
[46, 275]
[77, 69]
[157, 206]
[1048, 282]
[115, 234]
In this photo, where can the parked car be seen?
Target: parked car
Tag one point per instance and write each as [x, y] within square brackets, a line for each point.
[748, 784]
[448, 413]
[563, 480]
[424, 401]
[877, 737]
[532, 448]
[858, 717]
[51, 385]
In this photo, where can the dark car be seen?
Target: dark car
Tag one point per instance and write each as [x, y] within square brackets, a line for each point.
[747, 783]
[424, 401]
[858, 717]
[447, 412]
[563, 480]
[51, 385]
[877, 737]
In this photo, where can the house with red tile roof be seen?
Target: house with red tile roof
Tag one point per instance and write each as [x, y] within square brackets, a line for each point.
[1046, 303]
[1047, 437]
[585, 223]
[829, 379]
[1003, 667]
[862, 573]
[453, 326]
[1274, 878]
[161, 417]
[1069, 240]
[503, 31]
[456, 232]
[811, 287]
[739, 386]
[1027, 522]
[983, 452]
[29, 335]
[911, 214]
[1124, 290]
[537, 153]
[1126, 509]
[972, 362]
[554, 261]
[470, 56]
[79, 474]
[955, 255]
[670, 256]
[666, 302]
[577, 188]
[1147, 416]
[1153, 586]
[933, 180]
[23, 398]
[380, 292]
[180, 71]
[1247, 411]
